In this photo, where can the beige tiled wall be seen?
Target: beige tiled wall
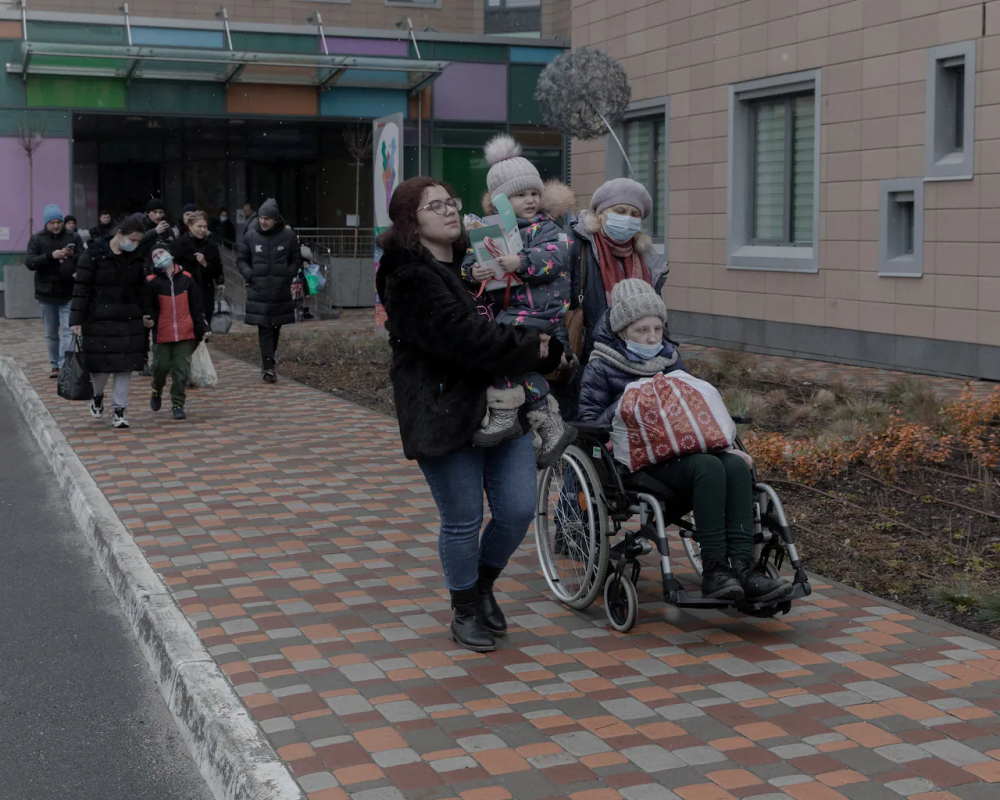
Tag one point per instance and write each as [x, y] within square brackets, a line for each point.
[873, 59]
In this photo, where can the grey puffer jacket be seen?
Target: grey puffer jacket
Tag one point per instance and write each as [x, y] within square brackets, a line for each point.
[585, 271]
[612, 367]
[268, 261]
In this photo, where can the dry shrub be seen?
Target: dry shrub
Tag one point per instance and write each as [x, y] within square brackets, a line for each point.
[973, 421]
[868, 411]
[803, 416]
[845, 430]
[824, 399]
[917, 401]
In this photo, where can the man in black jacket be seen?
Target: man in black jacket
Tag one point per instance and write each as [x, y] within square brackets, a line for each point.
[52, 255]
[156, 228]
[105, 226]
[270, 257]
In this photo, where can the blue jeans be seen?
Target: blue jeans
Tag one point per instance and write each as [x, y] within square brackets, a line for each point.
[59, 338]
[457, 481]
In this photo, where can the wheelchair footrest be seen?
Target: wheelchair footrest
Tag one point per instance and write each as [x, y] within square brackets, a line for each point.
[682, 599]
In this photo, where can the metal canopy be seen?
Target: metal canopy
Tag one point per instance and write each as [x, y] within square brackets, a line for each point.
[225, 66]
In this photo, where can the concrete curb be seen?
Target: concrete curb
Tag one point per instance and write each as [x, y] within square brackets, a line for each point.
[235, 758]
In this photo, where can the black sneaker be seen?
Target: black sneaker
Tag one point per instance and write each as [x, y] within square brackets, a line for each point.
[179, 412]
[54, 373]
[269, 376]
[118, 418]
[719, 583]
[97, 406]
[758, 586]
[155, 401]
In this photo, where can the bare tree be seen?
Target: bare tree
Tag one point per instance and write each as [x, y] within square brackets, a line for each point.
[30, 137]
[358, 139]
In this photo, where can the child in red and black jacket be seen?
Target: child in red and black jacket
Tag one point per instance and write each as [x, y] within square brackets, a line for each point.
[178, 326]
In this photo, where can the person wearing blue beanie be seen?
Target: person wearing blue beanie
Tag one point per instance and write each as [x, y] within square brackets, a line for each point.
[51, 255]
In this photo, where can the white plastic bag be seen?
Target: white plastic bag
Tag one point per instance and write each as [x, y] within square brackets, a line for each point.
[203, 373]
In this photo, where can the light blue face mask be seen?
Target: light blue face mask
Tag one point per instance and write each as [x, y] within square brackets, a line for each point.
[164, 262]
[622, 228]
[644, 351]
[127, 245]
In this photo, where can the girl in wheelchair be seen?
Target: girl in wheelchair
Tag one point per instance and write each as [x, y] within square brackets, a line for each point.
[630, 344]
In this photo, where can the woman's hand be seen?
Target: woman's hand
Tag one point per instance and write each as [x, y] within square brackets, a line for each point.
[77, 330]
[147, 321]
[510, 264]
[543, 348]
[200, 258]
[480, 274]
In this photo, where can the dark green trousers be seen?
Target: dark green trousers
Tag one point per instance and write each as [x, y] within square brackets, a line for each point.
[173, 359]
[718, 486]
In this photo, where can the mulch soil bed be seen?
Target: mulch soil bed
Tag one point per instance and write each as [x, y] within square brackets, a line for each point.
[903, 541]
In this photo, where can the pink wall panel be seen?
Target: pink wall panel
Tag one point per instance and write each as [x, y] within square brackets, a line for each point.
[52, 185]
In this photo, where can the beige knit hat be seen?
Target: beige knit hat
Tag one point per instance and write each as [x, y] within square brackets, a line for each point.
[631, 300]
[510, 173]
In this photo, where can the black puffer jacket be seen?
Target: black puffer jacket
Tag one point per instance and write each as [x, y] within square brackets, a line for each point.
[268, 262]
[184, 249]
[53, 279]
[444, 353]
[110, 298]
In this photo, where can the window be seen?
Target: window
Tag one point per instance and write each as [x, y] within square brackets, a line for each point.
[646, 145]
[783, 176]
[513, 17]
[901, 228]
[773, 186]
[645, 135]
[951, 92]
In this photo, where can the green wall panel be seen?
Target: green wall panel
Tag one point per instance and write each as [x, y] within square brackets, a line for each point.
[77, 33]
[176, 97]
[11, 86]
[276, 42]
[454, 51]
[521, 85]
[56, 124]
[67, 92]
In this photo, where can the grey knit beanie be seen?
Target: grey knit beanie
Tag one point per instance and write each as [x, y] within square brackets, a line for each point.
[510, 173]
[633, 299]
[622, 190]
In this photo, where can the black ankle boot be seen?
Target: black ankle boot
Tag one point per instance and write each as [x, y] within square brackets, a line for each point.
[758, 586]
[467, 628]
[489, 610]
[718, 581]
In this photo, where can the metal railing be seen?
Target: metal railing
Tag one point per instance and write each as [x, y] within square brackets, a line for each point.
[327, 243]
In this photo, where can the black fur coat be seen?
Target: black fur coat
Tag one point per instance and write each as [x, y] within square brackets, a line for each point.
[444, 353]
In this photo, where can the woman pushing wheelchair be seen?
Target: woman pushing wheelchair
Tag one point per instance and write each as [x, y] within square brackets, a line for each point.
[620, 389]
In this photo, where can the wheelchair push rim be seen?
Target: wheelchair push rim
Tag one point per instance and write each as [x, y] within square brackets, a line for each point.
[571, 526]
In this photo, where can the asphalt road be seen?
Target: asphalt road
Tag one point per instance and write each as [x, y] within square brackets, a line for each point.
[80, 714]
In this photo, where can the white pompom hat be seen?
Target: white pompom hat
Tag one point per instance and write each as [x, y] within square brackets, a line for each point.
[510, 173]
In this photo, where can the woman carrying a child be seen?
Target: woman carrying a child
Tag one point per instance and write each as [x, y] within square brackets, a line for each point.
[445, 356]
[534, 293]
[630, 344]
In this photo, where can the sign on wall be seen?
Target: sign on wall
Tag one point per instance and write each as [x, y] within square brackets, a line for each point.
[387, 171]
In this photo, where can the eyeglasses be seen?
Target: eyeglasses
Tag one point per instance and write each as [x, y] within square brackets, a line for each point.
[442, 207]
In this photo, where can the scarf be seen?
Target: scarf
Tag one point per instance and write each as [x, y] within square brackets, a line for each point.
[642, 369]
[617, 262]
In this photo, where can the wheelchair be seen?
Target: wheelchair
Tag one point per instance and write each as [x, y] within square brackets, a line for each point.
[586, 499]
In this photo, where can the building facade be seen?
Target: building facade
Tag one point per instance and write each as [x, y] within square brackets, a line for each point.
[826, 173]
[176, 101]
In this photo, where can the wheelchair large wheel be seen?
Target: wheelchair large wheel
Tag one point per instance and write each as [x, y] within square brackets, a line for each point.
[571, 529]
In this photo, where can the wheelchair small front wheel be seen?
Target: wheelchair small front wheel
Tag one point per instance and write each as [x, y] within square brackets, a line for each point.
[621, 602]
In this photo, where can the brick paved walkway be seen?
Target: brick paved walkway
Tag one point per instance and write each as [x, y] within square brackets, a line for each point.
[301, 545]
